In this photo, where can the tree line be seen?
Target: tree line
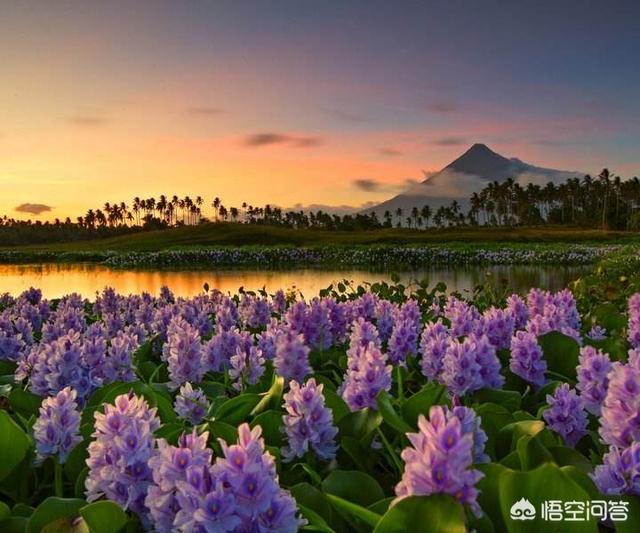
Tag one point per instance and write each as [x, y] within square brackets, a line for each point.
[605, 201]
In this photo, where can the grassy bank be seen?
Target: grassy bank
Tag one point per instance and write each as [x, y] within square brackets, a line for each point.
[216, 235]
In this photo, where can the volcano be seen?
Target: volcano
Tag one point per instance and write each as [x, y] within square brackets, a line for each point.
[469, 173]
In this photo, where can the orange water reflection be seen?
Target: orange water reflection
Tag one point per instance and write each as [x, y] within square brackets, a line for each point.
[58, 279]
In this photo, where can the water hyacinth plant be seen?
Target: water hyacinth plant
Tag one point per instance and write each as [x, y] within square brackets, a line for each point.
[269, 412]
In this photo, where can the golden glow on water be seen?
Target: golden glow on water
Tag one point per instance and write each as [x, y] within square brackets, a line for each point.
[58, 279]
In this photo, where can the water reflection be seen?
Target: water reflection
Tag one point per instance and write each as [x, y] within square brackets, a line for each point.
[58, 279]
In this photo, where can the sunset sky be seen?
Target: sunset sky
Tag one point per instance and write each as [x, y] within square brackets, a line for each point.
[303, 102]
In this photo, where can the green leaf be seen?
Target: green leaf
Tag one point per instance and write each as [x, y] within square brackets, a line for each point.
[15, 524]
[104, 517]
[420, 403]
[547, 482]
[608, 316]
[224, 431]
[389, 414]
[565, 456]
[532, 452]
[213, 390]
[315, 520]
[493, 418]
[489, 492]
[354, 486]
[354, 510]
[338, 406]
[508, 399]
[510, 434]
[632, 523]
[62, 511]
[272, 399]
[561, 353]
[237, 410]
[14, 444]
[5, 511]
[309, 496]
[360, 424]
[437, 513]
[270, 422]
[25, 403]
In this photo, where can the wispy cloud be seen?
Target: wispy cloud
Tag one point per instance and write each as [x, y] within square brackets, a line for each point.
[345, 116]
[204, 111]
[87, 120]
[450, 141]
[331, 209]
[377, 186]
[33, 209]
[389, 151]
[271, 138]
[442, 106]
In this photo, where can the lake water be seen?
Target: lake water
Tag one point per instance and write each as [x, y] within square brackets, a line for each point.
[58, 279]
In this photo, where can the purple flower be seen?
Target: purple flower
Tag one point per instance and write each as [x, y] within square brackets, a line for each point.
[462, 316]
[119, 454]
[592, 373]
[191, 404]
[440, 460]
[318, 330]
[183, 353]
[292, 357]
[267, 339]
[620, 471]
[633, 330]
[247, 367]
[460, 369]
[363, 333]
[226, 314]
[471, 423]
[386, 314]
[403, 342]
[410, 312]
[566, 414]
[217, 352]
[433, 345]
[527, 358]
[249, 474]
[620, 420]
[254, 312]
[487, 359]
[367, 375]
[57, 429]
[308, 423]
[169, 466]
[279, 301]
[517, 307]
[597, 333]
[498, 325]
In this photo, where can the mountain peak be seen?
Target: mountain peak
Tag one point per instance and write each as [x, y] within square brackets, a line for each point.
[480, 160]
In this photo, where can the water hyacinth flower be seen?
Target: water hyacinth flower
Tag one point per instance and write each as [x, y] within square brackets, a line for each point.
[292, 357]
[386, 313]
[518, 309]
[308, 424]
[593, 369]
[183, 353]
[620, 418]
[620, 471]
[433, 345]
[460, 369]
[498, 325]
[527, 359]
[566, 414]
[249, 475]
[363, 333]
[440, 460]
[191, 404]
[318, 330]
[597, 333]
[247, 367]
[170, 466]
[367, 374]
[471, 423]
[218, 350]
[119, 454]
[633, 330]
[462, 316]
[403, 342]
[57, 429]
[254, 312]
